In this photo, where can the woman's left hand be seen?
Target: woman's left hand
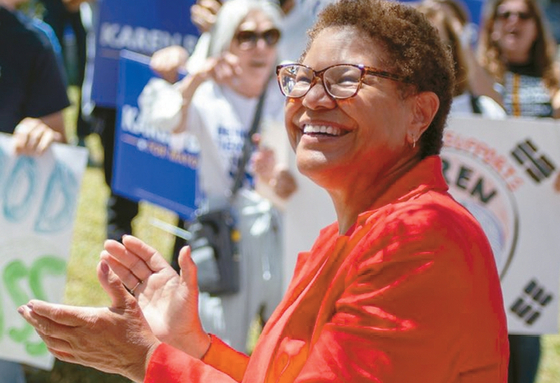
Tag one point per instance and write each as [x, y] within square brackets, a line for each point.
[264, 162]
[114, 339]
[283, 183]
[169, 301]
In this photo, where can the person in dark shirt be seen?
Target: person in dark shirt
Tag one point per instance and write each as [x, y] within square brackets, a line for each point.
[31, 83]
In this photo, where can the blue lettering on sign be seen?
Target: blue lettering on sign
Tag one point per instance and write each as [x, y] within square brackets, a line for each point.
[21, 192]
[2, 164]
[130, 122]
[139, 39]
[56, 208]
[20, 189]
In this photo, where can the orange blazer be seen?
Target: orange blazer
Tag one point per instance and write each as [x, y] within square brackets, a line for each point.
[409, 294]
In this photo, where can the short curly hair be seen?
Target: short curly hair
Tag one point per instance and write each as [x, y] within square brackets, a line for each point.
[443, 20]
[412, 47]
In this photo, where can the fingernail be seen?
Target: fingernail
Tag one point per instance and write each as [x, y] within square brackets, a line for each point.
[104, 267]
[20, 310]
[30, 306]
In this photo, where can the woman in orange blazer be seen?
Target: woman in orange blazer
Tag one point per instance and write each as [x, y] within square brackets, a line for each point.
[401, 288]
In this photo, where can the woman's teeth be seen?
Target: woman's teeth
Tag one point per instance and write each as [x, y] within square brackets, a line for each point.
[323, 129]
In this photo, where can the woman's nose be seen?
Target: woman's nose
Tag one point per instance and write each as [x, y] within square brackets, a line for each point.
[317, 97]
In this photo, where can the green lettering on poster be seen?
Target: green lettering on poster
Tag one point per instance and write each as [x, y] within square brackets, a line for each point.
[15, 275]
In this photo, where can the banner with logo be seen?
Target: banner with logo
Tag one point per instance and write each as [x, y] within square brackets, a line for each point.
[143, 26]
[150, 163]
[504, 172]
[38, 200]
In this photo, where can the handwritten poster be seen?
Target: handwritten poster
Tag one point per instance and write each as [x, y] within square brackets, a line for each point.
[38, 199]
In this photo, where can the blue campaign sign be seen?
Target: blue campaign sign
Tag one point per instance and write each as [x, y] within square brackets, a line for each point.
[142, 26]
[147, 164]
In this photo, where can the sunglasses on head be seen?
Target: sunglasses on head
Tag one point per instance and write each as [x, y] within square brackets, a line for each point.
[505, 15]
[248, 39]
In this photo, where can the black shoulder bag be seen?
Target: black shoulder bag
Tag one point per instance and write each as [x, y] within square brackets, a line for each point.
[214, 239]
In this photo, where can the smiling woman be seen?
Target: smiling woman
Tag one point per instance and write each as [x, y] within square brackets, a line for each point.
[403, 278]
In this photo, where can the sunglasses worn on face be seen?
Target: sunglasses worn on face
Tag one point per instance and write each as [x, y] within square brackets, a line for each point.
[340, 81]
[248, 39]
[505, 15]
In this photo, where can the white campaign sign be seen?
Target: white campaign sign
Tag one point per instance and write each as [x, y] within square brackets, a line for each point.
[504, 172]
[38, 199]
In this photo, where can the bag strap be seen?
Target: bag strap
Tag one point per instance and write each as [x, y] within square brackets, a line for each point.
[246, 153]
[475, 104]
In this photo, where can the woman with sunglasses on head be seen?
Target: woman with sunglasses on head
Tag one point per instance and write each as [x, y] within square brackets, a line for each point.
[517, 48]
[401, 288]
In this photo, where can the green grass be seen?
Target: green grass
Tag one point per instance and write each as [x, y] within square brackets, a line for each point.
[83, 289]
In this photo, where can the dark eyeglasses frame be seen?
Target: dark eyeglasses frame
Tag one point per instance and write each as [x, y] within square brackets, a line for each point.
[520, 15]
[270, 37]
[319, 74]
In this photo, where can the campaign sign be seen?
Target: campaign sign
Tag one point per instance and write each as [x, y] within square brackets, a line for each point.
[147, 164]
[143, 26]
[504, 173]
[38, 200]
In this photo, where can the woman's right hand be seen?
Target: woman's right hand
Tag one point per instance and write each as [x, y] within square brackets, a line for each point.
[203, 14]
[168, 301]
[223, 69]
[167, 62]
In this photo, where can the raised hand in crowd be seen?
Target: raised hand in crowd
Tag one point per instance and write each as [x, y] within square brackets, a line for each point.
[168, 61]
[222, 69]
[203, 14]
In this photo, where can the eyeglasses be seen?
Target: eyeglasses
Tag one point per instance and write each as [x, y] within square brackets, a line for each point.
[505, 15]
[248, 39]
[340, 81]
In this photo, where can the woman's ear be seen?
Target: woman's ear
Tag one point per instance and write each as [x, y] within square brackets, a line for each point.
[425, 107]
